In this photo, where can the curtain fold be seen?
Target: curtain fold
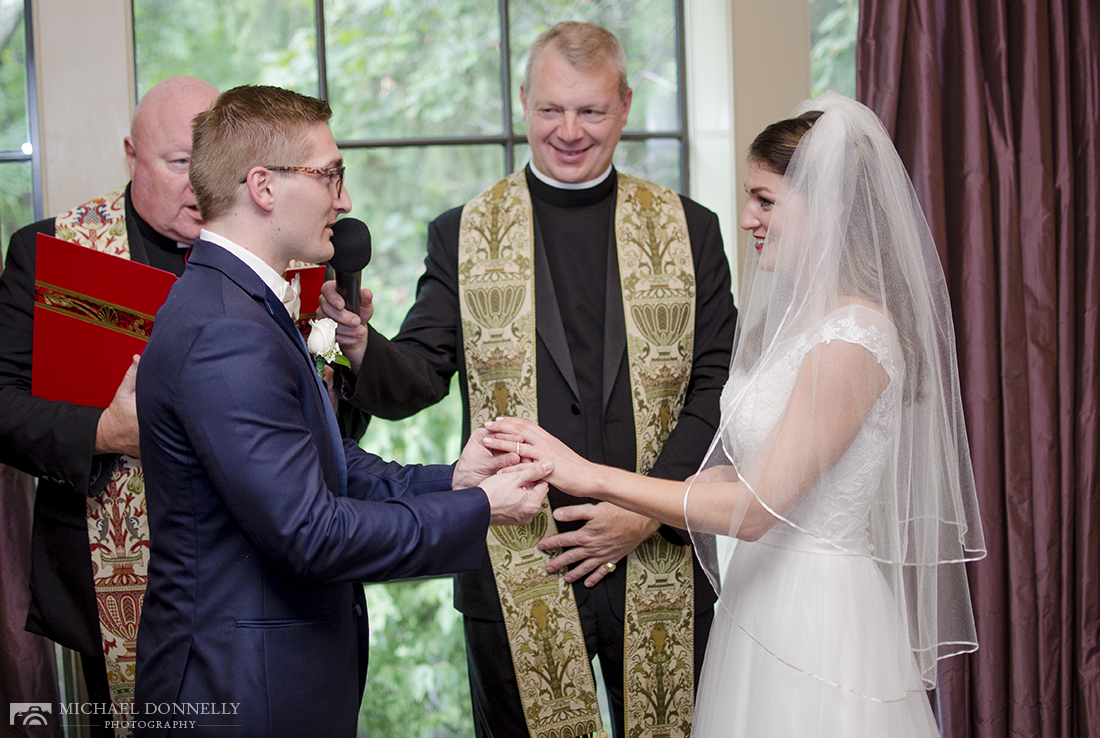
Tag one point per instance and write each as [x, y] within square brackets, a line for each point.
[995, 109]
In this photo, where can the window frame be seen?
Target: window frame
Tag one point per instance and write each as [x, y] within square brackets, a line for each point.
[34, 158]
[511, 138]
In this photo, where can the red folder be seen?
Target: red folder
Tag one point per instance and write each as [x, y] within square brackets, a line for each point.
[312, 277]
[94, 311]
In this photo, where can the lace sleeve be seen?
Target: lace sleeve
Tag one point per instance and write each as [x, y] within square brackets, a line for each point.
[866, 327]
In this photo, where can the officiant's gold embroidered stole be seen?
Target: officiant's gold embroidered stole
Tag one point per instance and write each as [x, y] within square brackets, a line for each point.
[497, 296]
[118, 526]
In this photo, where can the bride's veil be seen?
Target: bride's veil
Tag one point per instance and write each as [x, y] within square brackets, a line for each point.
[847, 229]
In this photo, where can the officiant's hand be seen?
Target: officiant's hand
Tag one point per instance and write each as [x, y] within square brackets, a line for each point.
[117, 431]
[609, 534]
[351, 329]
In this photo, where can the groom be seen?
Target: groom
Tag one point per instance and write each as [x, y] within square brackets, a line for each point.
[261, 519]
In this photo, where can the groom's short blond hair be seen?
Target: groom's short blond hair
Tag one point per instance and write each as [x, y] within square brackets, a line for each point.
[248, 126]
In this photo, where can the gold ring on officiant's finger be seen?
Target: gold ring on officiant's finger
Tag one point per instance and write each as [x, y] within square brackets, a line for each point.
[609, 566]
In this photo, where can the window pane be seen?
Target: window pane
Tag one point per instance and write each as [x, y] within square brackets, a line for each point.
[645, 28]
[417, 684]
[428, 68]
[833, 28]
[397, 192]
[227, 42]
[13, 78]
[657, 160]
[16, 205]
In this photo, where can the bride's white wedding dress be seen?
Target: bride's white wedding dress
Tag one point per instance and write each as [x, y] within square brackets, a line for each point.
[808, 639]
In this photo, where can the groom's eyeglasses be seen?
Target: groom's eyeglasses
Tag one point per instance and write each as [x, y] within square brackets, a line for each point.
[335, 174]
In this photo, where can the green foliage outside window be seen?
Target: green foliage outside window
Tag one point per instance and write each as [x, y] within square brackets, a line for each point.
[417, 682]
[414, 69]
[16, 204]
[834, 25]
[226, 42]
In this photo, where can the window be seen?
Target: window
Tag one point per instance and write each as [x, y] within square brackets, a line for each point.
[416, 90]
[19, 201]
[426, 111]
[833, 28]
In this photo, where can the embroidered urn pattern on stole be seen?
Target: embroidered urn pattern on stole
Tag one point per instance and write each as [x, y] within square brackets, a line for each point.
[118, 526]
[657, 272]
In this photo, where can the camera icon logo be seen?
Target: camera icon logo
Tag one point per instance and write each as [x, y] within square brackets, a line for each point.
[31, 713]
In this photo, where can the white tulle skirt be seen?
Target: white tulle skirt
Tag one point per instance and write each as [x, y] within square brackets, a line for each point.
[807, 641]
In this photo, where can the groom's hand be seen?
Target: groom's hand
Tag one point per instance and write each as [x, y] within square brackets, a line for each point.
[609, 534]
[479, 462]
[515, 495]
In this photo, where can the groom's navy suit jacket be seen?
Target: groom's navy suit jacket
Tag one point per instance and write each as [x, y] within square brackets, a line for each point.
[261, 519]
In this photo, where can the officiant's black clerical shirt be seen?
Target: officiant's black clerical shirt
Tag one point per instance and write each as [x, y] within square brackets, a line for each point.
[577, 234]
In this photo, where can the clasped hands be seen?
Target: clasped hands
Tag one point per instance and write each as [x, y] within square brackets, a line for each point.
[515, 487]
[608, 534]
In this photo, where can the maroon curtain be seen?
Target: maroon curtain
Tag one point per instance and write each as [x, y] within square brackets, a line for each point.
[995, 109]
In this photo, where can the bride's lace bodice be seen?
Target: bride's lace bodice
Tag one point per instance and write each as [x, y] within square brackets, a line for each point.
[837, 506]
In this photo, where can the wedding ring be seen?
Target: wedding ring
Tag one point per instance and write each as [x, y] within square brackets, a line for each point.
[517, 449]
[609, 566]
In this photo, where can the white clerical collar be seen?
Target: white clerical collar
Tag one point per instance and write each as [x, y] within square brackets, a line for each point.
[570, 185]
[271, 278]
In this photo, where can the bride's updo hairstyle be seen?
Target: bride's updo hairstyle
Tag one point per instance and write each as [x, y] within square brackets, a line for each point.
[775, 145]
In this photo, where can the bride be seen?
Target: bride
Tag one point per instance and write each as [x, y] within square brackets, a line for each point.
[839, 483]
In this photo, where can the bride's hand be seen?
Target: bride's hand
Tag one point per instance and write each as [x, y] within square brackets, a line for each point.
[572, 473]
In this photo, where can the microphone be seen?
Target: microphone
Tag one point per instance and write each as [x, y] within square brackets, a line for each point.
[351, 253]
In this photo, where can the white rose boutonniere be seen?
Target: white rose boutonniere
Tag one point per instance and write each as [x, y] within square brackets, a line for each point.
[322, 344]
